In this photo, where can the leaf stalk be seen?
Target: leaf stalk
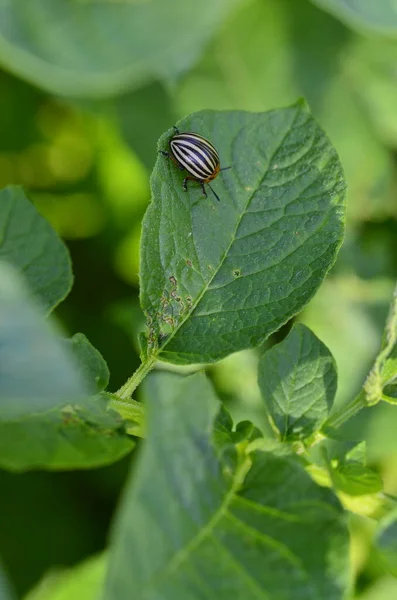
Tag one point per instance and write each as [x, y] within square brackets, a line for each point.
[126, 390]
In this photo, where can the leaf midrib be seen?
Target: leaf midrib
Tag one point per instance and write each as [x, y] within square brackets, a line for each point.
[205, 531]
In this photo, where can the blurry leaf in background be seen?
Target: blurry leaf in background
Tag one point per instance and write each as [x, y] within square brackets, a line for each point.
[371, 67]
[384, 588]
[66, 131]
[122, 177]
[57, 148]
[83, 582]
[297, 378]
[231, 528]
[143, 116]
[273, 51]
[386, 542]
[29, 243]
[47, 419]
[217, 277]
[342, 315]
[6, 592]
[90, 48]
[381, 434]
[127, 256]
[73, 216]
[380, 15]
[19, 103]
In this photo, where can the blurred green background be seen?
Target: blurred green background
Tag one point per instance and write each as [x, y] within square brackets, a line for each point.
[84, 97]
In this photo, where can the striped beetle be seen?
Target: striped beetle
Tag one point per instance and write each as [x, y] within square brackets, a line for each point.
[191, 152]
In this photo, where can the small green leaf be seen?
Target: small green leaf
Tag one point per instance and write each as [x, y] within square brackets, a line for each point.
[356, 479]
[386, 542]
[220, 277]
[47, 418]
[297, 379]
[30, 244]
[91, 362]
[190, 526]
[358, 452]
[68, 47]
[364, 14]
[83, 581]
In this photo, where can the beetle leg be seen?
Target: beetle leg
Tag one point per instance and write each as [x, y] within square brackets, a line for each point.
[176, 129]
[164, 153]
[184, 184]
[203, 189]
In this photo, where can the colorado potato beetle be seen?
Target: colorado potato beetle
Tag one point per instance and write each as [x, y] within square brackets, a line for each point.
[193, 153]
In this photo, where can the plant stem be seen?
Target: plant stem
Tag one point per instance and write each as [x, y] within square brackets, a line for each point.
[372, 391]
[346, 412]
[126, 390]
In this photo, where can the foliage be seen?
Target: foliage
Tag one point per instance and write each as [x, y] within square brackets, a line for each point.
[258, 458]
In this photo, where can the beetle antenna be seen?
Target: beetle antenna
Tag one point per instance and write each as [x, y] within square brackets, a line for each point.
[213, 191]
[225, 168]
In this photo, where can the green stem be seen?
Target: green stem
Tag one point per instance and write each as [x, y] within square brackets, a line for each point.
[346, 412]
[126, 390]
[372, 391]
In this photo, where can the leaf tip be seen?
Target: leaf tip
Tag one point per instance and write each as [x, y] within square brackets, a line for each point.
[302, 103]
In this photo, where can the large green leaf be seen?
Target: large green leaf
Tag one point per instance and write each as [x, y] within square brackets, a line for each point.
[193, 526]
[364, 14]
[220, 277]
[29, 243]
[274, 51]
[47, 418]
[297, 379]
[93, 48]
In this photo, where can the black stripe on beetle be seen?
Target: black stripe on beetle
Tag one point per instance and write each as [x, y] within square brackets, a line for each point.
[193, 153]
